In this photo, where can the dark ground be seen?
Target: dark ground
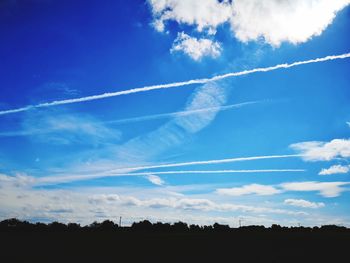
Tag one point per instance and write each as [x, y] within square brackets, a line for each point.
[169, 244]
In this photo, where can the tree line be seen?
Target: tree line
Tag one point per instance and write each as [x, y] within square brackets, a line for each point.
[14, 224]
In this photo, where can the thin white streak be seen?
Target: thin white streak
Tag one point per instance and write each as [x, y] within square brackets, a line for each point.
[229, 160]
[215, 172]
[181, 113]
[137, 119]
[45, 180]
[128, 170]
[175, 84]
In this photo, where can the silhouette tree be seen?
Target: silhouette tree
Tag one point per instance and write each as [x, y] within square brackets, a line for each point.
[179, 227]
[144, 225]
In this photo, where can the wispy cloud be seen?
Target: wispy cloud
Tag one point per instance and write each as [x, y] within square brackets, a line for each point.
[335, 169]
[256, 189]
[64, 128]
[175, 84]
[155, 179]
[325, 189]
[303, 203]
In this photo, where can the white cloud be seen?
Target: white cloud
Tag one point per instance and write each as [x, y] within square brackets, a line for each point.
[257, 189]
[155, 179]
[275, 21]
[348, 123]
[204, 14]
[326, 189]
[335, 169]
[196, 48]
[323, 151]
[303, 203]
[279, 21]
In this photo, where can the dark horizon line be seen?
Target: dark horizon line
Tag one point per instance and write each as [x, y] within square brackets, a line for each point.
[145, 225]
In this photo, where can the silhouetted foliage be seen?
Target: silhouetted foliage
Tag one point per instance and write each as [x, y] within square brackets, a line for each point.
[22, 241]
[145, 225]
[179, 227]
[222, 228]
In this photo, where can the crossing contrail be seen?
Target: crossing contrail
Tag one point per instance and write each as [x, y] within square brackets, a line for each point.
[218, 161]
[64, 179]
[174, 84]
[129, 171]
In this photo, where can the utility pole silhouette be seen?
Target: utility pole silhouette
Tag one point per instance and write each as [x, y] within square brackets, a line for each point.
[120, 221]
[240, 222]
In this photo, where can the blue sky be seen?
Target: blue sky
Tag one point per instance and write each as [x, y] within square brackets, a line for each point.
[184, 153]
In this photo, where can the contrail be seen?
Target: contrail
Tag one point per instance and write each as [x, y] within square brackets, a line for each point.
[62, 179]
[181, 113]
[128, 170]
[175, 84]
[218, 161]
[137, 119]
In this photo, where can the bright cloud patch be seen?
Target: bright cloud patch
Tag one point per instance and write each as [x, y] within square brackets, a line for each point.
[196, 48]
[204, 14]
[279, 21]
[275, 21]
[257, 189]
[323, 151]
[326, 189]
[155, 179]
[303, 203]
[335, 169]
